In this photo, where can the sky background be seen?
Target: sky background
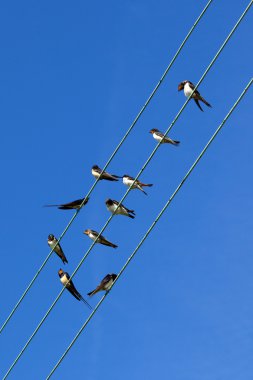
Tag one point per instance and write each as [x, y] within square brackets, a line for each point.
[73, 76]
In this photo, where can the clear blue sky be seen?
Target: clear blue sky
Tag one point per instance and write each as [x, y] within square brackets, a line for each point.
[73, 76]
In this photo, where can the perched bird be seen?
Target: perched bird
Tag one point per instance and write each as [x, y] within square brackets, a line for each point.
[188, 88]
[105, 284]
[75, 205]
[51, 240]
[93, 235]
[96, 171]
[128, 181]
[158, 136]
[65, 280]
[122, 210]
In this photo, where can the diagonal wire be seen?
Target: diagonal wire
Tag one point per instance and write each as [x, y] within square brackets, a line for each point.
[109, 160]
[144, 166]
[151, 227]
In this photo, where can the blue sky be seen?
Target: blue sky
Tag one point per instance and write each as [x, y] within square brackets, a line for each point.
[73, 77]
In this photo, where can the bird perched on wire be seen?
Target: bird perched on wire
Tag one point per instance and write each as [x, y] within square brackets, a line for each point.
[188, 88]
[75, 205]
[112, 205]
[158, 136]
[128, 181]
[65, 280]
[51, 240]
[101, 240]
[96, 171]
[105, 284]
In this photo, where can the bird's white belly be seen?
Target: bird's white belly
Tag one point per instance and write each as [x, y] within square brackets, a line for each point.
[93, 237]
[64, 280]
[113, 208]
[96, 174]
[157, 138]
[187, 90]
[127, 181]
[108, 285]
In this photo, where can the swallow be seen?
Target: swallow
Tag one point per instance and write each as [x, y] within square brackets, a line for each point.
[128, 181]
[75, 205]
[121, 210]
[93, 235]
[96, 171]
[65, 280]
[188, 88]
[105, 284]
[158, 136]
[51, 240]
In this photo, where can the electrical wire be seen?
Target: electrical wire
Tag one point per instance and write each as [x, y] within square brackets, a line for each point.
[109, 161]
[144, 166]
[151, 227]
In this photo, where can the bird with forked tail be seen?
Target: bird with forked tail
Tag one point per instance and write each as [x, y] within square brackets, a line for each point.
[128, 181]
[96, 171]
[51, 241]
[101, 239]
[189, 91]
[75, 205]
[105, 284]
[65, 280]
[158, 136]
[112, 206]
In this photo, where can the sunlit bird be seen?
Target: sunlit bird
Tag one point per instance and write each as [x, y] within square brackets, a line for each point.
[188, 88]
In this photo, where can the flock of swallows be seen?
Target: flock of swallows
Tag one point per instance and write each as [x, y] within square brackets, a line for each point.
[112, 205]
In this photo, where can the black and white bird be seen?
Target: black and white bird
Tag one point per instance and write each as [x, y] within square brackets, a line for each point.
[105, 284]
[128, 181]
[112, 205]
[188, 88]
[51, 240]
[159, 135]
[65, 280]
[101, 240]
[96, 171]
[75, 205]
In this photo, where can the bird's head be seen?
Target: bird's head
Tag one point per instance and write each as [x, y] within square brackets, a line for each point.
[113, 275]
[86, 232]
[50, 237]
[109, 202]
[153, 130]
[181, 85]
[95, 167]
[60, 272]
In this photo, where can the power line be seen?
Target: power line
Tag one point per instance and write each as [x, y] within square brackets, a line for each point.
[109, 161]
[143, 167]
[151, 227]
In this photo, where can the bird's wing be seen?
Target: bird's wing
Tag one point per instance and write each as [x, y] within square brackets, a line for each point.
[160, 134]
[105, 280]
[192, 87]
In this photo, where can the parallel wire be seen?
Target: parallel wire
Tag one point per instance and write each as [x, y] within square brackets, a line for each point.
[151, 227]
[144, 166]
[109, 161]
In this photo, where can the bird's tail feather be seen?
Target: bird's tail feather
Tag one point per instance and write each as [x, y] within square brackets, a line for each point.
[197, 102]
[86, 303]
[204, 101]
[93, 292]
[147, 184]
